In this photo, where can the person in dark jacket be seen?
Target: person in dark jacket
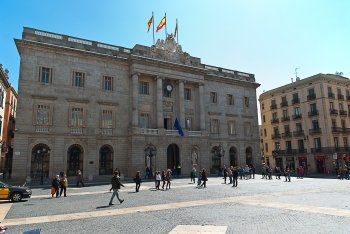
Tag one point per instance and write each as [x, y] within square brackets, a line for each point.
[204, 178]
[115, 186]
[137, 180]
[235, 177]
[56, 185]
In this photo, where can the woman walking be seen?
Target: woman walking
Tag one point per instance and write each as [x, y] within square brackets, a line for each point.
[193, 175]
[163, 176]
[158, 179]
[64, 185]
[56, 186]
[235, 177]
[168, 178]
[137, 180]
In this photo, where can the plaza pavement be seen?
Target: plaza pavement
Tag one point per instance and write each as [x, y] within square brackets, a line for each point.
[255, 206]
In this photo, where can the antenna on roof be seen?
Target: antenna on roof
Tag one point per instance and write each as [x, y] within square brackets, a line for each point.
[296, 73]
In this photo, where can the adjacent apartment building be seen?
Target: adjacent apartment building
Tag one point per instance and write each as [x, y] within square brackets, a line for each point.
[95, 107]
[306, 123]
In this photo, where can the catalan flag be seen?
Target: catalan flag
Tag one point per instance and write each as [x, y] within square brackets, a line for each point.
[161, 24]
[150, 21]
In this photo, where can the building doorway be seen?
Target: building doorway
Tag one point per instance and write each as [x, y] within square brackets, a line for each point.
[321, 165]
[279, 163]
[233, 156]
[75, 160]
[106, 160]
[40, 162]
[173, 159]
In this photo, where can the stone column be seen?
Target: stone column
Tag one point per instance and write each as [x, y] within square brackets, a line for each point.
[201, 108]
[182, 104]
[160, 118]
[135, 100]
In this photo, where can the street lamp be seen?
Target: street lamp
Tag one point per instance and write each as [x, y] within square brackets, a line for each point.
[150, 151]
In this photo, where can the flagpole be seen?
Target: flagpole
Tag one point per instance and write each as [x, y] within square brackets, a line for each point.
[177, 32]
[153, 27]
[166, 34]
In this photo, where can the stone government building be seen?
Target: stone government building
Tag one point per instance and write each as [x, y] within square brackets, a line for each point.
[93, 106]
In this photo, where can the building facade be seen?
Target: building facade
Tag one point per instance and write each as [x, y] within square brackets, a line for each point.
[306, 123]
[95, 107]
[4, 86]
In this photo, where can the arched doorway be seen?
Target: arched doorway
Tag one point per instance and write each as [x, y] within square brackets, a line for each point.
[40, 163]
[233, 156]
[75, 160]
[106, 160]
[249, 156]
[173, 159]
[215, 160]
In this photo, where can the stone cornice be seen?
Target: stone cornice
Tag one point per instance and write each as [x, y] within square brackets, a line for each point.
[78, 100]
[41, 97]
[107, 103]
[214, 113]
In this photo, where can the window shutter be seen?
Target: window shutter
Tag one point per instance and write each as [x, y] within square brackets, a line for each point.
[84, 117]
[70, 117]
[51, 115]
[34, 114]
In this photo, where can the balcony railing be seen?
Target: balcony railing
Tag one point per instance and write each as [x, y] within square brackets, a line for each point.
[297, 116]
[295, 101]
[171, 132]
[285, 118]
[311, 97]
[276, 136]
[331, 95]
[330, 150]
[333, 112]
[282, 152]
[313, 113]
[273, 106]
[76, 130]
[300, 151]
[198, 133]
[283, 104]
[343, 113]
[107, 131]
[42, 128]
[337, 130]
[275, 121]
[286, 135]
[298, 133]
[149, 131]
[315, 131]
[340, 97]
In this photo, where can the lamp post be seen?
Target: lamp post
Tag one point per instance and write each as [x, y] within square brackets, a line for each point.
[149, 153]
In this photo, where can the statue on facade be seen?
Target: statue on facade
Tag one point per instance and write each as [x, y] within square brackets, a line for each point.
[194, 157]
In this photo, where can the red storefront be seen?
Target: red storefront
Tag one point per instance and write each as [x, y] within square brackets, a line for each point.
[321, 164]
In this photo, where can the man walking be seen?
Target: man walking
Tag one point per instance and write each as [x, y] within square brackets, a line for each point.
[115, 186]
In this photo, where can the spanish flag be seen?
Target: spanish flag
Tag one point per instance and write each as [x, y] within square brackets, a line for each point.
[161, 24]
[150, 21]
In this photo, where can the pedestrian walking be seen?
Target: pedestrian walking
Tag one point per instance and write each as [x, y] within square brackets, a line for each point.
[137, 181]
[116, 186]
[55, 186]
[168, 178]
[199, 179]
[252, 170]
[225, 174]
[64, 185]
[204, 178]
[158, 178]
[193, 175]
[235, 177]
[163, 176]
[80, 178]
[287, 174]
[278, 173]
[229, 174]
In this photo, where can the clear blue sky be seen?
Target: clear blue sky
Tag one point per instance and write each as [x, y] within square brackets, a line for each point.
[268, 38]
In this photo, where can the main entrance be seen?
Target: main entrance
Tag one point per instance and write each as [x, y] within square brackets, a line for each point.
[233, 156]
[173, 159]
[106, 160]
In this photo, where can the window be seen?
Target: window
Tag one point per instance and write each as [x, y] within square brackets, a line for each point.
[144, 120]
[301, 145]
[188, 123]
[334, 123]
[167, 123]
[42, 115]
[339, 91]
[77, 117]
[265, 132]
[277, 146]
[295, 96]
[246, 101]
[317, 143]
[262, 106]
[230, 100]
[276, 131]
[188, 94]
[288, 146]
[336, 142]
[343, 124]
[107, 119]
[213, 97]
[274, 115]
[315, 125]
[266, 148]
[347, 93]
[298, 127]
[285, 114]
[231, 128]
[331, 106]
[144, 88]
[45, 75]
[1, 98]
[341, 108]
[108, 83]
[313, 108]
[311, 91]
[214, 126]
[264, 119]
[297, 111]
[345, 142]
[78, 79]
[286, 129]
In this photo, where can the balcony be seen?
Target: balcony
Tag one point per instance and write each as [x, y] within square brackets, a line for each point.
[299, 116]
[343, 113]
[340, 97]
[276, 136]
[149, 131]
[299, 133]
[315, 131]
[285, 118]
[337, 130]
[295, 101]
[331, 95]
[273, 121]
[284, 104]
[273, 106]
[316, 150]
[107, 131]
[42, 128]
[76, 130]
[313, 113]
[286, 135]
[300, 151]
[282, 152]
[330, 150]
[311, 97]
[333, 112]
